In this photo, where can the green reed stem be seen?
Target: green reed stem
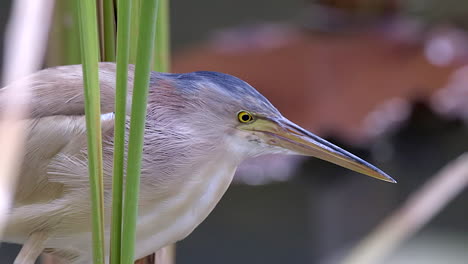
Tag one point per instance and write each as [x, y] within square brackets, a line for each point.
[123, 42]
[90, 58]
[162, 41]
[135, 28]
[147, 29]
[109, 30]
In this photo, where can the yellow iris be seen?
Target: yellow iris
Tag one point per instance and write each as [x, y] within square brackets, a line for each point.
[244, 117]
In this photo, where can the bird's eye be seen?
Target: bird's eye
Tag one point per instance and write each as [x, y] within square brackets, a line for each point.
[244, 117]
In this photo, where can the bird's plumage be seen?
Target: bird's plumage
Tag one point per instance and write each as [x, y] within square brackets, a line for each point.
[194, 140]
[52, 193]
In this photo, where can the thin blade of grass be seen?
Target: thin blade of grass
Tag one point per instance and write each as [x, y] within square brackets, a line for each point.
[64, 44]
[162, 41]
[147, 29]
[109, 30]
[161, 63]
[416, 212]
[123, 42]
[72, 42]
[90, 59]
[56, 41]
[134, 31]
[100, 21]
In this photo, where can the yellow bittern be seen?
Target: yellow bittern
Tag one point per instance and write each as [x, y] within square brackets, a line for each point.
[200, 126]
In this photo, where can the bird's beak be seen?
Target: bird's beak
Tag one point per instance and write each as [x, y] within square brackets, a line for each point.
[286, 134]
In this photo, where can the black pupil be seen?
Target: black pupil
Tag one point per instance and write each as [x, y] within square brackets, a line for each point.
[245, 117]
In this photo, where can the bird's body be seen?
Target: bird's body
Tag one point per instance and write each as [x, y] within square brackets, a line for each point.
[191, 151]
[166, 214]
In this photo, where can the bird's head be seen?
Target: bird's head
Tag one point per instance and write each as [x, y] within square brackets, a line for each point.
[223, 105]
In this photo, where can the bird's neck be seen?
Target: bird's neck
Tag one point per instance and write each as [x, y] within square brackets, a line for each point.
[192, 163]
[184, 206]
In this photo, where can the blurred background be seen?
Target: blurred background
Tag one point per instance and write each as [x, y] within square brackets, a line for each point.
[385, 79]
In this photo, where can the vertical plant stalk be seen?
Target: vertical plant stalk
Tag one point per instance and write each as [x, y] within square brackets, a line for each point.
[134, 31]
[90, 58]
[165, 255]
[64, 37]
[100, 23]
[72, 33]
[421, 207]
[25, 44]
[56, 41]
[161, 63]
[137, 125]
[162, 41]
[123, 42]
[108, 34]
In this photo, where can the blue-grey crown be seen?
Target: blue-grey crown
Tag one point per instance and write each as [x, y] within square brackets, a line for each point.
[233, 87]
